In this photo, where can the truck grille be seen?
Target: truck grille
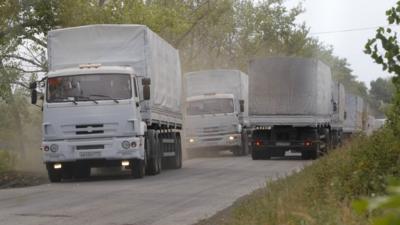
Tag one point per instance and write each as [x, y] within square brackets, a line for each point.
[82, 130]
[211, 131]
[89, 129]
[89, 147]
[212, 139]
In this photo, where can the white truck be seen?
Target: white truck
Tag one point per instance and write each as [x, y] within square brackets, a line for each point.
[112, 98]
[293, 107]
[354, 115]
[217, 111]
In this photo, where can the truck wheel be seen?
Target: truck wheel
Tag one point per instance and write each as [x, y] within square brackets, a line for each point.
[164, 147]
[173, 162]
[154, 160]
[258, 155]
[327, 140]
[138, 168]
[55, 176]
[176, 161]
[311, 153]
[245, 144]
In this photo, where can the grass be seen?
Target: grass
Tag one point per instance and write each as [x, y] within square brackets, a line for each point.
[323, 192]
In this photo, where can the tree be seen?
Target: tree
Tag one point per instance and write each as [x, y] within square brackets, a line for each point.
[384, 49]
[382, 90]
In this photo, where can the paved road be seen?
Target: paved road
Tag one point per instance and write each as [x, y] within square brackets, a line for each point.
[200, 189]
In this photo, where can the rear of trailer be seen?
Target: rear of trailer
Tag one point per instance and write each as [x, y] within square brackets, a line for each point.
[291, 106]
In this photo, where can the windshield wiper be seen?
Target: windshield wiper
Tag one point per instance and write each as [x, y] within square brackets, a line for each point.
[63, 100]
[86, 97]
[106, 96]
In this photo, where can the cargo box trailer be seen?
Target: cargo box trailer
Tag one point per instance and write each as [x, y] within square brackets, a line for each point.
[354, 114]
[293, 107]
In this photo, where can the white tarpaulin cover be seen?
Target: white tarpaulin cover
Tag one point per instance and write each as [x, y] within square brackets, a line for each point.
[122, 45]
[354, 113]
[338, 97]
[289, 86]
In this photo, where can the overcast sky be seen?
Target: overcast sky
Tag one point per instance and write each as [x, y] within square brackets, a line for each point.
[336, 15]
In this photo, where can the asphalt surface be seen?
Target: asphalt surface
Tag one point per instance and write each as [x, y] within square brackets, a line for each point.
[198, 190]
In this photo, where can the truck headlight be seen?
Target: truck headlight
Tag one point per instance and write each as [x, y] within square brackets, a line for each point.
[239, 128]
[191, 140]
[54, 148]
[231, 138]
[125, 144]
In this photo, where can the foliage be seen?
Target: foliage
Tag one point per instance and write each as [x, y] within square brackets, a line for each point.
[385, 50]
[385, 210]
[382, 90]
[381, 95]
[322, 193]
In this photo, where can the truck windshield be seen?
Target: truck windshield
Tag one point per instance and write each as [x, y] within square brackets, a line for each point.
[210, 106]
[89, 87]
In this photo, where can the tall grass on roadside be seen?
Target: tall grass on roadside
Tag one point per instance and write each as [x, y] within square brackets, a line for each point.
[322, 193]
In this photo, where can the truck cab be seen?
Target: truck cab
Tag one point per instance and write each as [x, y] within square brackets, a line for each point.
[214, 121]
[112, 98]
[216, 111]
[91, 118]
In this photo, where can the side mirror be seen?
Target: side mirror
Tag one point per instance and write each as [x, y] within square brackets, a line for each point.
[146, 88]
[335, 107]
[345, 115]
[33, 96]
[146, 81]
[33, 87]
[241, 103]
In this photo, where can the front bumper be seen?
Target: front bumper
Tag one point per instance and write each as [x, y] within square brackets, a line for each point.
[216, 141]
[274, 149]
[89, 149]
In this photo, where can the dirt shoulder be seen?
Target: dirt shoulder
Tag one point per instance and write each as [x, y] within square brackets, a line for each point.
[15, 179]
[225, 216]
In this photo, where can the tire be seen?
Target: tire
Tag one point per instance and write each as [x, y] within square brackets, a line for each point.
[138, 168]
[173, 162]
[154, 159]
[327, 141]
[176, 161]
[165, 161]
[55, 176]
[245, 144]
[311, 153]
[258, 155]
[243, 149]
[237, 151]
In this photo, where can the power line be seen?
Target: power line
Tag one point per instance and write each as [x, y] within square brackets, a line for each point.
[348, 30]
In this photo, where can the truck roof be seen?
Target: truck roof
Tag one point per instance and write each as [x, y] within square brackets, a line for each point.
[92, 70]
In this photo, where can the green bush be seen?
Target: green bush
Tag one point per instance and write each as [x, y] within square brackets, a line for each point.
[323, 192]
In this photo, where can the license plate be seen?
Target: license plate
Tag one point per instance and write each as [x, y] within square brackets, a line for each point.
[282, 143]
[90, 154]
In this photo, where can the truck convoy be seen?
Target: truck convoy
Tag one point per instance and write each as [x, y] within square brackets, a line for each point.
[217, 111]
[293, 107]
[113, 98]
